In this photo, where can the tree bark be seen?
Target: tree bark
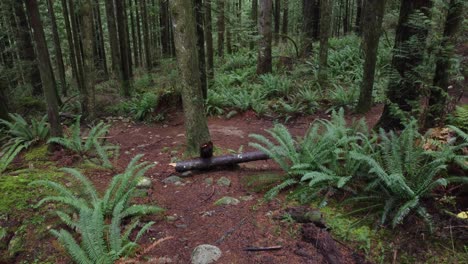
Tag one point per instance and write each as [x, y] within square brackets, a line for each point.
[99, 33]
[325, 27]
[113, 36]
[138, 32]
[133, 30]
[403, 92]
[358, 23]
[209, 41]
[192, 99]
[373, 17]
[284, 29]
[26, 49]
[199, 15]
[439, 92]
[123, 44]
[277, 20]
[3, 99]
[203, 164]
[165, 27]
[45, 68]
[146, 36]
[57, 48]
[228, 26]
[77, 44]
[87, 94]
[264, 64]
[254, 17]
[221, 28]
[311, 15]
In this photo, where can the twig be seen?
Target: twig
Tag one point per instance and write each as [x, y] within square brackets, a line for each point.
[230, 231]
[263, 248]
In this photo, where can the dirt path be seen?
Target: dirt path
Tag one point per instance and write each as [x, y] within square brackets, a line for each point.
[193, 217]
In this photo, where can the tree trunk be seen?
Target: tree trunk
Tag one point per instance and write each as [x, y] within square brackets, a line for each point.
[439, 91]
[87, 94]
[221, 28]
[101, 51]
[373, 17]
[284, 30]
[71, 46]
[26, 49]
[113, 36]
[209, 41]
[192, 99]
[203, 164]
[403, 92]
[133, 30]
[199, 12]
[358, 23]
[45, 68]
[128, 49]
[3, 99]
[77, 43]
[311, 15]
[264, 64]
[346, 18]
[57, 48]
[325, 27]
[146, 35]
[138, 33]
[277, 20]
[228, 26]
[165, 27]
[254, 17]
[123, 44]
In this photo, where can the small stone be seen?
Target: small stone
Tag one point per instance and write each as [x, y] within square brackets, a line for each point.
[144, 183]
[180, 135]
[127, 152]
[182, 226]
[172, 179]
[227, 201]
[209, 181]
[208, 213]
[205, 254]
[186, 174]
[171, 218]
[163, 260]
[246, 198]
[223, 182]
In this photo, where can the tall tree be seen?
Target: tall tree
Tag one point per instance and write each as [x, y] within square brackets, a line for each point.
[57, 47]
[221, 28]
[76, 43]
[45, 68]
[254, 17]
[26, 49]
[146, 35]
[284, 29]
[439, 90]
[264, 63]
[113, 36]
[124, 49]
[358, 24]
[196, 126]
[209, 41]
[326, 7]
[373, 17]
[71, 46]
[311, 15]
[277, 20]
[165, 27]
[100, 56]
[3, 98]
[403, 89]
[228, 26]
[87, 94]
[133, 31]
[138, 32]
[199, 17]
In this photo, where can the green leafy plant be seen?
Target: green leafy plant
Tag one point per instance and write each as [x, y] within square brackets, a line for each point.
[92, 144]
[141, 106]
[453, 150]
[18, 129]
[460, 117]
[8, 154]
[401, 176]
[100, 242]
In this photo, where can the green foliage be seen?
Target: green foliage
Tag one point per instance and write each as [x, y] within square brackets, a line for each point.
[100, 242]
[453, 150]
[92, 144]
[141, 106]
[460, 117]
[28, 134]
[401, 176]
[8, 154]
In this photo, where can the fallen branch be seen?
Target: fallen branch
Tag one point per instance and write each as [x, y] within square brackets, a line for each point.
[203, 164]
[263, 248]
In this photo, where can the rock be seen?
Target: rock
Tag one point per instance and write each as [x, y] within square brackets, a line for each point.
[186, 174]
[182, 226]
[172, 179]
[227, 201]
[144, 183]
[209, 181]
[246, 198]
[162, 260]
[223, 182]
[205, 254]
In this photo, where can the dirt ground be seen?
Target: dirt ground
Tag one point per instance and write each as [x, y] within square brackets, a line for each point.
[190, 205]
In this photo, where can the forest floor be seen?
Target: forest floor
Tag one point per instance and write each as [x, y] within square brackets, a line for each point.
[194, 219]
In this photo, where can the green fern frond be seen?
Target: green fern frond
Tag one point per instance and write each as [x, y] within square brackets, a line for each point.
[85, 182]
[275, 191]
[72, 247]
[140, 209]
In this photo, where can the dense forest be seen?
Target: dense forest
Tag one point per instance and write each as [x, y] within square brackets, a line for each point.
[233, 131]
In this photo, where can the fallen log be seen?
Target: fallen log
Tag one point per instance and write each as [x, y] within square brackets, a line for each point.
[203, 164]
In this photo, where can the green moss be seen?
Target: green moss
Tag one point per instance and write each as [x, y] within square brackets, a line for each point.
[36, 154]
[16, 195]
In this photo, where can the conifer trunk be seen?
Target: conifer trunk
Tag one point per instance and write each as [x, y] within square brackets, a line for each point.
[199, 15]
[264, 63]
[284, 29]
[187, 56]
[113, 36]
[221, 28]
[325, 28]
[87, 94]
[57, 48]
[71, 46]
[209, 41]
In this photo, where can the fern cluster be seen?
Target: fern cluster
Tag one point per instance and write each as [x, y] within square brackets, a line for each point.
[99, 223]
[20, 135]
[392, 177]
[93, 144]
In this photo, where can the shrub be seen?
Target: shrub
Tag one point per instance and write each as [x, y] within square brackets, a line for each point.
[92, 144]
[28, 134]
